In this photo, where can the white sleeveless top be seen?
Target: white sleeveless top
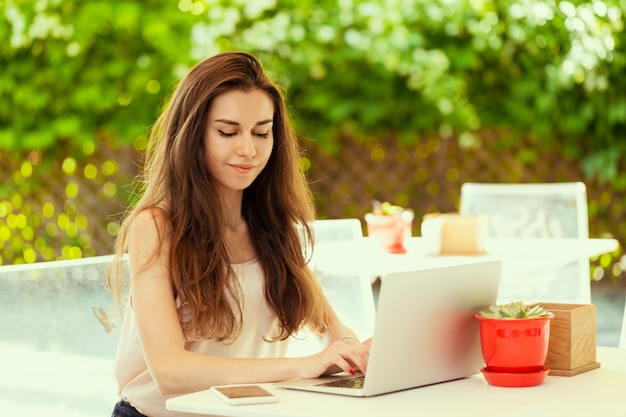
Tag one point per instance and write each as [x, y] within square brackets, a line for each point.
[259, 321]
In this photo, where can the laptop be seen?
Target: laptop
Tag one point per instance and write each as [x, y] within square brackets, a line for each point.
[425, 330]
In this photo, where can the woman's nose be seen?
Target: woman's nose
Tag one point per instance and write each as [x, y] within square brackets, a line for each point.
[246, 147]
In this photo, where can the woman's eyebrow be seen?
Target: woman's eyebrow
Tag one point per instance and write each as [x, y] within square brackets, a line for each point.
[227, 122]
[232, 122]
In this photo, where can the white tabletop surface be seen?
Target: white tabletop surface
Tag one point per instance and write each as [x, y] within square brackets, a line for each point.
[594, 393]
[365, 257]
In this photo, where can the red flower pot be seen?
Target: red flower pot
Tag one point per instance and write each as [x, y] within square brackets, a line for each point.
[514, 345]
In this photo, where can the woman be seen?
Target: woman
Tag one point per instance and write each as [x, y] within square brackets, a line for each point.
[218, 277]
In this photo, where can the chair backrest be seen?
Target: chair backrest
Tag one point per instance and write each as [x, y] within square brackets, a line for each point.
[60, 328]
[557, 210]
[545, 210]
[336, 230]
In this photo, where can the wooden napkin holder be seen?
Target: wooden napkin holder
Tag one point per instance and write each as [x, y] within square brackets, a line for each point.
[572, 346]
[454, 234]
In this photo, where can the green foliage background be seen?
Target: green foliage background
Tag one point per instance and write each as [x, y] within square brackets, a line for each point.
[78, 73]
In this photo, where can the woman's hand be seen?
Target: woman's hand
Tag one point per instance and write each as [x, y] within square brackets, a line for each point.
[346, 355]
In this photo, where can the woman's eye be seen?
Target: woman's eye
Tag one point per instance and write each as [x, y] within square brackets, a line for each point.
[263, 135]
[226, 134]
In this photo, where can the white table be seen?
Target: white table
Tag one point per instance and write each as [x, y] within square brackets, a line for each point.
[365, 257]
[534, 269]
[594, 393]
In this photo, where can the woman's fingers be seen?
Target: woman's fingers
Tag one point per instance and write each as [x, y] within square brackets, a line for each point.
[363, 353]
[355, 355]
[345, 365]
[346, 355]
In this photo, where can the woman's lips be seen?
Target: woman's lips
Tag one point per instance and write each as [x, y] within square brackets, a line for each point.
[242, 168]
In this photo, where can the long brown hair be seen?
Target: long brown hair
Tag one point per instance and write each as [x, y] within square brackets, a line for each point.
[277, 207]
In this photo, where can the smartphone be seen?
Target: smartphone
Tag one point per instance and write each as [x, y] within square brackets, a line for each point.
[244, 394]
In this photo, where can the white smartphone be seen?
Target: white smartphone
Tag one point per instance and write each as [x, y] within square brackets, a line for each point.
[244, 394]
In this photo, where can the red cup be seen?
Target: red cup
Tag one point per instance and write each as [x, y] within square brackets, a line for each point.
[390, 229]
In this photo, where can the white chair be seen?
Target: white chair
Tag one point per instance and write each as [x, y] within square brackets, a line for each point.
[349, 294]
[545, 210]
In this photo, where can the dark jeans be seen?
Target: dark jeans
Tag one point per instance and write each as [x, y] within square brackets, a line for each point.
[124, 409]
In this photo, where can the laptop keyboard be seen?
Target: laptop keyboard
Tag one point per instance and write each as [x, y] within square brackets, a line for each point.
[355, 382]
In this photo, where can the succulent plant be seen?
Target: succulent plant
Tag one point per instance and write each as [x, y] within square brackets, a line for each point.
[514, 310]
